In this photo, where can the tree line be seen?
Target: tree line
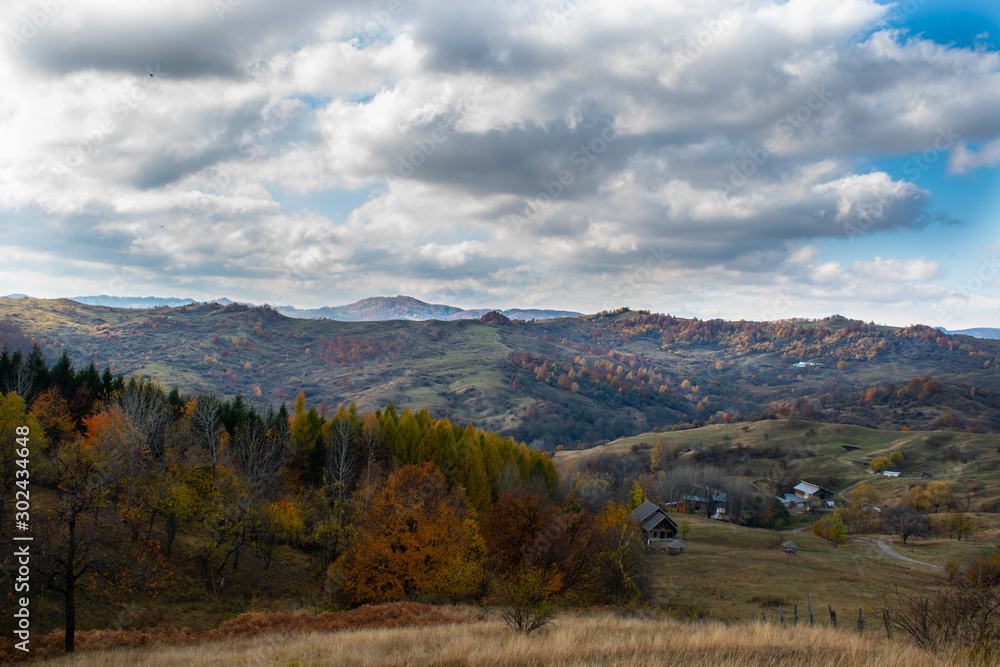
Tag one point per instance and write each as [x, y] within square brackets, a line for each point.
[382, 505]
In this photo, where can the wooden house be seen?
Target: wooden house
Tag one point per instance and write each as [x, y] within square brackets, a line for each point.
[792, 501]
[654, 522]
[805, 489]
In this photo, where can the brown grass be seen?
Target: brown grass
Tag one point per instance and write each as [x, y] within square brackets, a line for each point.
[574, 639]
[397, 614]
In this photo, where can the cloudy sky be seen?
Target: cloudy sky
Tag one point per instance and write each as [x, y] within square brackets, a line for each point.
[719, 158]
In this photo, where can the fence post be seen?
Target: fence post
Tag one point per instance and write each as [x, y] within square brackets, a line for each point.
[753, 617]
[861, 622]
[781, 616]
[888, 623]
[812, 620]
[763, 616]
[833, 616]
[738, 619]
[796, 621]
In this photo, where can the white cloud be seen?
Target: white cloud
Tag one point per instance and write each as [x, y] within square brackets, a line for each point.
[534, 151]
[892, 270]
[962, 159]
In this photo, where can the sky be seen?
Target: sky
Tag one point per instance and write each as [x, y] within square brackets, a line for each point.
[743, 159]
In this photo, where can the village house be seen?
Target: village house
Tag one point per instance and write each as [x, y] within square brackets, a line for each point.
[704, 501]
[654, 522]
[792, 501]
[805, 489]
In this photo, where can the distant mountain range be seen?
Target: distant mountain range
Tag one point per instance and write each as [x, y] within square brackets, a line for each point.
[382, 308]
[979, 332]
[138, 301]
[373, 309]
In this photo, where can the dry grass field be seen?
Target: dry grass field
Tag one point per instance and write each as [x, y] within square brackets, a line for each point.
[729, 569]
[601, 638]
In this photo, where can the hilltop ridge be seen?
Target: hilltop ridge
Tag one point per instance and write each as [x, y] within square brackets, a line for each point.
[371, 309]
[549, 382]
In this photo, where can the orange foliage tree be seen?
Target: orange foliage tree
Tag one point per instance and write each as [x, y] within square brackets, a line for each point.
[416, 539]
[573, 553]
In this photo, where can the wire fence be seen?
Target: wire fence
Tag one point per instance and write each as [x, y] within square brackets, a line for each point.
[871, 620]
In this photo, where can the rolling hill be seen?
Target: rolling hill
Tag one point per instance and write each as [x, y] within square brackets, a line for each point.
[373, 309]
[780, 453]
[551, 382]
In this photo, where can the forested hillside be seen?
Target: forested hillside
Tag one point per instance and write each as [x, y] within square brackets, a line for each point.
[566, 381]
[127, 490]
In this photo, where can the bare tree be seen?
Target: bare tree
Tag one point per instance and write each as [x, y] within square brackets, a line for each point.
[906, 522]
[143, 401]
[255, 456]
[371, 449]
[342, 463]
[22, 383]
[507, 478]
[681, 483]
[206, 424]
[134, 432]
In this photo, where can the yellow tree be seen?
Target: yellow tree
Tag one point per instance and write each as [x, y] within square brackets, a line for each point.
[621, 547]
[879, 463]
[53, 414]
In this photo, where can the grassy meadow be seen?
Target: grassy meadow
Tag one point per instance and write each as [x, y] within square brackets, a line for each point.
[730, 570]
[835, 456]
[602, 638]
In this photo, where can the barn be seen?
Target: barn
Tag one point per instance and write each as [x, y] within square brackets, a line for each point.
[655, 523]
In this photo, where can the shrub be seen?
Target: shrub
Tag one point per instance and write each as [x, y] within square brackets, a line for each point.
[963, 615]
[524, 599]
